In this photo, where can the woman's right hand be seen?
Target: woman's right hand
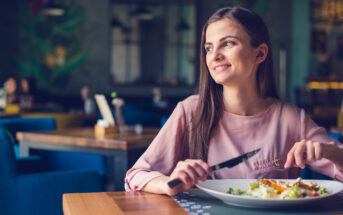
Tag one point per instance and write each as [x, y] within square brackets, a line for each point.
[189, 172]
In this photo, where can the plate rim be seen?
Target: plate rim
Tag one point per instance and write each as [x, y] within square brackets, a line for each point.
[253, 202]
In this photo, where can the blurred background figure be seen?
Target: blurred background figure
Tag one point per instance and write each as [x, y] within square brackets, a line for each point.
[26, 97]
[89, 104]
[324, 64]
[11, 90]
[157, 98]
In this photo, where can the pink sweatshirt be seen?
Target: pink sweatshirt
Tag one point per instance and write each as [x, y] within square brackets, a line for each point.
[274, 131]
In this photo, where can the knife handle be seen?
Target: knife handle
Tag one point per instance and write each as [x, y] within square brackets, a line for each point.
[174, 183]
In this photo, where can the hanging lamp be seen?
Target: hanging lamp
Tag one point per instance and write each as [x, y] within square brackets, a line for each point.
[142, 12]
[52, 9]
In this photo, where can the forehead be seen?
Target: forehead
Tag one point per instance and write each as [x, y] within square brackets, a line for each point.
[224, 27]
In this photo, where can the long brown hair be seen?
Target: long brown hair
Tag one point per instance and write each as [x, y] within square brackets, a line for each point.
[210, 104]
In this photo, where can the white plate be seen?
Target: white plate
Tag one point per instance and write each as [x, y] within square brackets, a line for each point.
[218, 189]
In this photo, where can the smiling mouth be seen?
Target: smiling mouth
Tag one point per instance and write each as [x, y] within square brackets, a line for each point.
[221, 68]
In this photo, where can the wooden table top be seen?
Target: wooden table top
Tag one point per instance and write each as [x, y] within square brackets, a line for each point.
[86, 137]
[119, 203]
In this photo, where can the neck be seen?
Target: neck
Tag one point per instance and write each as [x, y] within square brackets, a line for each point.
[244, 101]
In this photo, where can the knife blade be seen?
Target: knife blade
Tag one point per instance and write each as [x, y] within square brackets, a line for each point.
[229, 164]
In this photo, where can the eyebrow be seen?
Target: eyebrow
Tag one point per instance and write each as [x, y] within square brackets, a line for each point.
[224, 38]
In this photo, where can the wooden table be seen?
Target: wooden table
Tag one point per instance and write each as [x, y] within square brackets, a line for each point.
[194, 201]
[119, 203]
[116, 147]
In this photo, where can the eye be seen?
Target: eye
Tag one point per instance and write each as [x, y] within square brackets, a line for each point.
[208, 48]
[229, 43]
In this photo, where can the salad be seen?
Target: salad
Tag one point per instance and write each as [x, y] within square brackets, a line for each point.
[278, 189]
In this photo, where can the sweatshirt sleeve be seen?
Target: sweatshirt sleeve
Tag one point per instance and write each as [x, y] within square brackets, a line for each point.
[169, 146]
[311, 131]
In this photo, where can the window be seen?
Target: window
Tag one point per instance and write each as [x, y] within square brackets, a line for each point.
[153, 44]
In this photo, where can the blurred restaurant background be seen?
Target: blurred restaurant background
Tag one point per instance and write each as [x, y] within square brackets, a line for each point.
[57, 54]
[140, 48]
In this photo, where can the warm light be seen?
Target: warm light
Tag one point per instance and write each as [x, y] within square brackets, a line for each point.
[52, 9]
[316, 85]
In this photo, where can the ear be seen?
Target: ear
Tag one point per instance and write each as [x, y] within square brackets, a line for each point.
[262, 52]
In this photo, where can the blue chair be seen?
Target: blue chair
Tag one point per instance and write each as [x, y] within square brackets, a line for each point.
[13, 125]
[144, 114]
[32, 163]
[49, 160]
[38, 193]
[62, 160]
[163, 121]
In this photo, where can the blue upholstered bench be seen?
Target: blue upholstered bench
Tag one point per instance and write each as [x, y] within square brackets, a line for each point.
[38, 193]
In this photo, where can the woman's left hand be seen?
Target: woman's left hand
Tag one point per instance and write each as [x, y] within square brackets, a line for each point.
[308, 151]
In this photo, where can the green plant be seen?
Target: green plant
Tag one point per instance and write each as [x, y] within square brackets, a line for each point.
[52, 46]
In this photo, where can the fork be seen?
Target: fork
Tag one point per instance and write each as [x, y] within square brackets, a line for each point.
[261, 175]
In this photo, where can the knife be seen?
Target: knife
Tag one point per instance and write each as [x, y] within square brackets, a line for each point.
[229, 164]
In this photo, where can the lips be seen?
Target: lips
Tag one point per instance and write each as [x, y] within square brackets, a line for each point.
[221, 67]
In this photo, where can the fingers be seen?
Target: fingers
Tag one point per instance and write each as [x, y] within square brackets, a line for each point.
[202, 170]
[190, 172]
[290, 158]
[194, 170]
[318, 147]
[295, 155]
[310, 151]
[303, 152]
[300, 150]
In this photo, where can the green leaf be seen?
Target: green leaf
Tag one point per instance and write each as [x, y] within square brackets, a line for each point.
[23, 67]
[38, 72]
[72, 64]
[69, 26]
[41, 43]
[73, 12]
[8, 133]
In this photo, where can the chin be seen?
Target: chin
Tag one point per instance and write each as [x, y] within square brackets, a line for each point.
[221, 78]
[221, 81]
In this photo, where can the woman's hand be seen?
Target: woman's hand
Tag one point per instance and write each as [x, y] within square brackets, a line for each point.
[189, 172]
[308, 151]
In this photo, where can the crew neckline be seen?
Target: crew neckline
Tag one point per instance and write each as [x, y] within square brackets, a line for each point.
[271, 106]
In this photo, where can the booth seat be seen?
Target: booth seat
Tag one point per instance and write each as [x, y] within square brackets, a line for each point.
[13, 125]
[62, 120]
[61, 160]
[10, 126]
[49, 160]
[38, 193]
[143, 114]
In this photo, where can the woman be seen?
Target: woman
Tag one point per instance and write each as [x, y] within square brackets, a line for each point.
[236, 111]
[11, 90]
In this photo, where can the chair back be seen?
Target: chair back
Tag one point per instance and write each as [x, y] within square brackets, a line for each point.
[28, 124]
[8, 175]
[144, 114]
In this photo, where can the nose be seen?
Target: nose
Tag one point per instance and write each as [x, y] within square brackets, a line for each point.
[217, 56]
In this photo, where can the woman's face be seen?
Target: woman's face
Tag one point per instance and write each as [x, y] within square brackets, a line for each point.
[230, 58]
[25, 86]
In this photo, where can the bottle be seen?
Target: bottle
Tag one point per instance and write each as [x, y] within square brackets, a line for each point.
[118, 104]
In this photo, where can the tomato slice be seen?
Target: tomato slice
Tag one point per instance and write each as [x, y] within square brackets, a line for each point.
[314, 194]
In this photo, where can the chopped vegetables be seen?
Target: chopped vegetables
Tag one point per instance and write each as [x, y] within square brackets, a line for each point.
[278, 189]
[236, 192]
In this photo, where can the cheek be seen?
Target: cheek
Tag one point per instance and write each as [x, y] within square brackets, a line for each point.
[245, 59]
[207, 59]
